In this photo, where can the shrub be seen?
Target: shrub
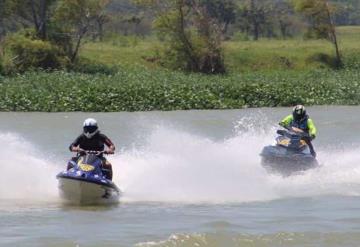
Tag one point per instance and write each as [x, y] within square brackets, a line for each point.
[352, 61]
[88, 66]
[30, 53]
[325, 59]
[193, 39]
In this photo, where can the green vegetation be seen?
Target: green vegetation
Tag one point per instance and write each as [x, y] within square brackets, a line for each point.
[34, 53]
[143, 90]
[191, 33]
[113, 55]
[259, 76]
[53, 33]
[240, 56]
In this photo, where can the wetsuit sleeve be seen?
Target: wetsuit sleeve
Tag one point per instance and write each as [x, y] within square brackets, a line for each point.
[286, 121]
[107, 141]
[75, 143]
[312, 128]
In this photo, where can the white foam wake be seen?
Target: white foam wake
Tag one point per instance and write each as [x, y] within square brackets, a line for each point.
[177, 166]
[24, 173]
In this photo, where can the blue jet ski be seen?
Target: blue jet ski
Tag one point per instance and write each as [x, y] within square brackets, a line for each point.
[86, 182]
[290, 154]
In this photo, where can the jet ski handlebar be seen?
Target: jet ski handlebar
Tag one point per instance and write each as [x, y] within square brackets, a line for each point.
[290, 132]
[97, 153]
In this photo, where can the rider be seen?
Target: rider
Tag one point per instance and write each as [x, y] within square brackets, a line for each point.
[92, 140]
[300, 120]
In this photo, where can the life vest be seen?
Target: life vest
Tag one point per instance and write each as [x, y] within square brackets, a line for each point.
[302, 124]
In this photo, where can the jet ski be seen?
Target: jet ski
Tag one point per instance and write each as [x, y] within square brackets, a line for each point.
[291, 153]
[86, 182]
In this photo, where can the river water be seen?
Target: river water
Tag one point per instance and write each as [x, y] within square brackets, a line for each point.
[190, 178]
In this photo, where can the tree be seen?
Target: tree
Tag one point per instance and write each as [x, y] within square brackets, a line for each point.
[211, 27]
[283, 14]
[128, 18]
[100, 21]
[266, 18]
[39, 11]
[36, 12]
[192, 33]
[76, 17]
[348, 12]
[6, 9]
[254, 16]
[222, 10]
[319, 15]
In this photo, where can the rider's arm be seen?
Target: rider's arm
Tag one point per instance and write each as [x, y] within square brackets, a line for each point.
[312, 128]
[110, 145]
[75, 146]
[286, 121]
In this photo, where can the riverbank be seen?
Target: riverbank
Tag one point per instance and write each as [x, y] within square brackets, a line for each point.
[142, 89]
[127, 76]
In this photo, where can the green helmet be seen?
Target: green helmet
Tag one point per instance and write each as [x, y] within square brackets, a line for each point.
[299, 112]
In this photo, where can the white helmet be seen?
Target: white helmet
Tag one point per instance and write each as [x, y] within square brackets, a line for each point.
[90, 127]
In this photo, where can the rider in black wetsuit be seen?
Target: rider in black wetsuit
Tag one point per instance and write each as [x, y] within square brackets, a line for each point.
[92, 140]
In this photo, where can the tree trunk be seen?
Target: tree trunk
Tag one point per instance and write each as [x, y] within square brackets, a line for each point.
[255, 23]
[78, 43]
[188, 47]
[256, 31]
[334, 37]
[2, 29]
[35, 18]
[101, 30]
[40, 19]
[283, 29]
[43, 20]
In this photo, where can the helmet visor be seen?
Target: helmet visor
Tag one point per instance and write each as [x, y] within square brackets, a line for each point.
[298, 115]
[90, 129]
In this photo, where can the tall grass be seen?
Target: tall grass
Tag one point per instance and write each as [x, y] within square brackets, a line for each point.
[240, 56]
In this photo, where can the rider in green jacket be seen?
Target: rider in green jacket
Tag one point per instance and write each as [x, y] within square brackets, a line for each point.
[300, 120]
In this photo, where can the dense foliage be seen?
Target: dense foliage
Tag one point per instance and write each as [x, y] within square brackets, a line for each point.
[191, 31]
[32, 53]
[53, 60]
[142, 90]
[52, 32]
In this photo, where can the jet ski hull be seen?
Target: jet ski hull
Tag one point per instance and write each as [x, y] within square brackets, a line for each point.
[82, 191]
[277, 159]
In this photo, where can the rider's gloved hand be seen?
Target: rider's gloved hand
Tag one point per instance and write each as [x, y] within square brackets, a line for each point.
[109, 152]
[78, 150]
[312, 137]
